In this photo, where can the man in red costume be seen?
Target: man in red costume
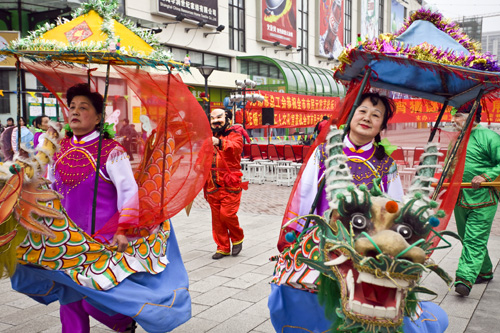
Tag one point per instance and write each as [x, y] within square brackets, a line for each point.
[223, 187]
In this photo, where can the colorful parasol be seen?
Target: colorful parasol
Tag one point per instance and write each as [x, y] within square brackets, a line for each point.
[62, 55]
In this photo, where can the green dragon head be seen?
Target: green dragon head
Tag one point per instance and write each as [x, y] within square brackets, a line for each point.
[369, 250]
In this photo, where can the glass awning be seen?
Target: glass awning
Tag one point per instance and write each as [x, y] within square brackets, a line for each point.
[302, 79]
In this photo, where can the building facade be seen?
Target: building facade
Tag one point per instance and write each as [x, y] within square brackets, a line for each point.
[289, 46]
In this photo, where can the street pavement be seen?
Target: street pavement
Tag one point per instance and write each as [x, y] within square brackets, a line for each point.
[230, 295]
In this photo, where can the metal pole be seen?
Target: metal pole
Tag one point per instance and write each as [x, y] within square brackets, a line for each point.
[43, 105]
[357, 101]
[243, 91]
[454, 151]
[18, 70]
[99, 148]
[207, 103]
[438, 120]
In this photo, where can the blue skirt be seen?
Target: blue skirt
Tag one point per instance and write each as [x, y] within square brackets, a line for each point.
[158, 303]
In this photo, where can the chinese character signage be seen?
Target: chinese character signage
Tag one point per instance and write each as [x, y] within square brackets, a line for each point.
[369, 18]
[291, 110]
[279, 21]
[422, 111]
[331, 28]
[305, 111]
[197, 10]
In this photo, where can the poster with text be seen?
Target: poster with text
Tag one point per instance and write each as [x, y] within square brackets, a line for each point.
[369, 19]
[331, 28]
[397, 16]
[279, 21]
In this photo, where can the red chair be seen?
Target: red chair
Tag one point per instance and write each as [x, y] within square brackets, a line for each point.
[289, 155]
[255, 153]
[272, 153]
[399, 157]
[246, 151]
[417, 152]
[305, 151]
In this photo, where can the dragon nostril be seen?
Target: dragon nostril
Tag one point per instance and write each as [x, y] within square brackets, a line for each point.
[371, 253]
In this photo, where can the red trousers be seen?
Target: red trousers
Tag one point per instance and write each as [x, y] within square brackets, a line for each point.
[225, 225]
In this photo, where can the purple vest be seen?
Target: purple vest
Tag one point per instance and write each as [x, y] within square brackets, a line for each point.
[75, 169]
[364, 168]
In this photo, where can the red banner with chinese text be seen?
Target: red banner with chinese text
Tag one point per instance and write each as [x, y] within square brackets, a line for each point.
[305, 111]
[291, 110]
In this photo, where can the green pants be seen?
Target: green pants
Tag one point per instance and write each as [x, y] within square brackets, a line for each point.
[474, 226]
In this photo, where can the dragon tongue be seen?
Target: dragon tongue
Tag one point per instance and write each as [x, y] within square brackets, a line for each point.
[376, 295]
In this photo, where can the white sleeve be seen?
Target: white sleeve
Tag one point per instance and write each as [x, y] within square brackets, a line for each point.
[308, 186]
[51, 173]
[13, 140]
[394, 185]
[121, 175]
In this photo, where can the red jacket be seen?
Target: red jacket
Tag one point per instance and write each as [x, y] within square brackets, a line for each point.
[241, 130]
[230, 149]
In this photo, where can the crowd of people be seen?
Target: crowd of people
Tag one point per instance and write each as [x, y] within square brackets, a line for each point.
[10, 139]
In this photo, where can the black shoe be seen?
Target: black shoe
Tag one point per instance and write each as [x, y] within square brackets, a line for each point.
[462, 289]
[131, 328]
[219, 255]
[237, 249]
[481, 279]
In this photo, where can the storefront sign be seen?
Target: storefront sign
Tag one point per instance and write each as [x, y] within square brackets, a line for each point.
[279, 21]
[197, 10]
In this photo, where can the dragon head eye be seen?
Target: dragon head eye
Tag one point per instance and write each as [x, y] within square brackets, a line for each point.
[404, 231]
[358, 221]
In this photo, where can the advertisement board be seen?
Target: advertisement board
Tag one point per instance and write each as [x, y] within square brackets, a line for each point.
[331, 28]
[369, 18]
[397, 16]
[196, 10]
[279, 21]
[5, 38]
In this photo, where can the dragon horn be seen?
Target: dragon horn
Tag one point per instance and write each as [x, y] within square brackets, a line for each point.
[425, 171]
[337, 174]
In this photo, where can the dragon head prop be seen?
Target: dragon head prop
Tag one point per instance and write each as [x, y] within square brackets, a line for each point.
[366, 255]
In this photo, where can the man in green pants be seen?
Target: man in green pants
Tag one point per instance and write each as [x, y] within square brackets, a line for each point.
[476, 206]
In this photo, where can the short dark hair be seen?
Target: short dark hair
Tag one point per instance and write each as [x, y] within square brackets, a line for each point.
[126, 121]
[38, 121]
[325, 118]
[83, 89]
[10, 119]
